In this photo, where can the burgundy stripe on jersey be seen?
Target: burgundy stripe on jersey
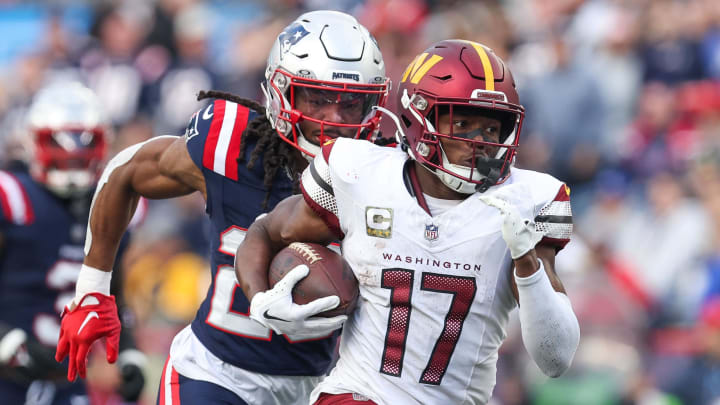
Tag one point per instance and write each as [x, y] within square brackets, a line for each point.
[330, 219]
[317, 189]
[555, 220]
[14, 200]
[326, 149]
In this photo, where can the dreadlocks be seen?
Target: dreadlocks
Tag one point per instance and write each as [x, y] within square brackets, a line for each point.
[276, 154]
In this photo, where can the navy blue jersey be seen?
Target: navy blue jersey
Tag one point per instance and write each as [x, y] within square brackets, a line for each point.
[42, 239]
[234, 199]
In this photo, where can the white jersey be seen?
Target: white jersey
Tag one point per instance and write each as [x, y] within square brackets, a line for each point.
[435, 292]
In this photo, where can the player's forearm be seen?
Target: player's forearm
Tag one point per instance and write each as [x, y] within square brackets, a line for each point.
[110, 213]
[253, 259]
[157, 168]
[526, 265]
[550, 330]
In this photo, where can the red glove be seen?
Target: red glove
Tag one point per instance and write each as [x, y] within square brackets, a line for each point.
[95, 317]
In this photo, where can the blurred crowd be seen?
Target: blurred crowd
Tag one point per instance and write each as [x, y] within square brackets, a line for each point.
[622, 102]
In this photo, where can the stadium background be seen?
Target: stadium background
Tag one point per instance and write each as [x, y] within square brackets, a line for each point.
[623, 103]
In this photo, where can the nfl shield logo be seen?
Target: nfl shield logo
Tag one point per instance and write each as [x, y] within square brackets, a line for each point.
[431, 232]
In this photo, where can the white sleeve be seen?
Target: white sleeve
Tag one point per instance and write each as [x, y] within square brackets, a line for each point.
[550, 330]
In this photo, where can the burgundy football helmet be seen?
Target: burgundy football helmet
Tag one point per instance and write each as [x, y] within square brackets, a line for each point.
[452, 75]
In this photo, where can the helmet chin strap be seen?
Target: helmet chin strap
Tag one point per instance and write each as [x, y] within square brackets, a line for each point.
[455, 183]
[488, 178]
[307, 145]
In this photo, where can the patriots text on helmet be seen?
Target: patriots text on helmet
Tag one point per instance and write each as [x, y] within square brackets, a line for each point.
[342, 75]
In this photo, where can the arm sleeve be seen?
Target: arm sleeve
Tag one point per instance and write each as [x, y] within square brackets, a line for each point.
[317, 189]
[549, 327]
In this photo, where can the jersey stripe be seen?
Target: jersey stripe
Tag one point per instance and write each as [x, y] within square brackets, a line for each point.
[226, 130]
[231, 165]
[316, 187]
[15, 202]
[326, 149]
[5, 204]
[213, 134]
[175, 387]
[555, 220]
[161, 394]
[320, 181]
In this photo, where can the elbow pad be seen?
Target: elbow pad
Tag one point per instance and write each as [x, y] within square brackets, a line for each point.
[550, 330]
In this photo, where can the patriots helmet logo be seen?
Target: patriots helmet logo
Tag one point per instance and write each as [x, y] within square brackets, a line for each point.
[192, 127]
[291, 36]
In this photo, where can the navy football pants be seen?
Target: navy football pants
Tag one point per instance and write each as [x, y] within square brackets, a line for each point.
[41, 392]
[176, 389]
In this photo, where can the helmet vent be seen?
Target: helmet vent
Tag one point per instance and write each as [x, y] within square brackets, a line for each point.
[443, 78]
[303, 56]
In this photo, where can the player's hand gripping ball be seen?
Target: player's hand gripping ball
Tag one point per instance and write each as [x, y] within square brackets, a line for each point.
[329, 275]
[312, 288]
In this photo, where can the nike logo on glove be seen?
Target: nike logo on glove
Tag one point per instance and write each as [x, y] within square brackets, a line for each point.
[89, 316]
[268, 316]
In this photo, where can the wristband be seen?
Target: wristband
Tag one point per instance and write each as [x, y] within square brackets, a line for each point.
[91, 280]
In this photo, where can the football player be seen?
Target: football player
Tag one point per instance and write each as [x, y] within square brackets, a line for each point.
[324, 75]
[43, 220]
[445, 237]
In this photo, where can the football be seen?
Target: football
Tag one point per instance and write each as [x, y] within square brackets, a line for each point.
[329, 275]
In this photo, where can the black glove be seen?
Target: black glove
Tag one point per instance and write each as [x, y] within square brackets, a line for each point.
[131, 363]
[23, 359]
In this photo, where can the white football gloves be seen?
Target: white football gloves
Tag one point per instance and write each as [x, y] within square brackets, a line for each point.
[276, 310]
[519, 233]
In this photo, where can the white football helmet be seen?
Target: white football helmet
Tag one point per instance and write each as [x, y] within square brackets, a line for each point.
[67, 138]
[326, 57]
